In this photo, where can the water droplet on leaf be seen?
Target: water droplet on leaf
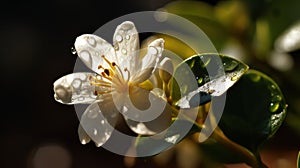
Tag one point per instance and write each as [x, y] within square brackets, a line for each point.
[274, 107]
[230, 65]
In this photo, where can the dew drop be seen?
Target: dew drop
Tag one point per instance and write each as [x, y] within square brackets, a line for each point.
[234, 78]
[86, 57]
[116, 46]
[127, 37]
[95, 131]
[76, 83]
[229, 66]
[200, 80]
[274, 106]
[276, 98]
[152, 50]
[91, 41]
[119, 38]
[83, 142]
[211, 91]
[124, 51]
[255, 77]
[92, 114]
[73, 50]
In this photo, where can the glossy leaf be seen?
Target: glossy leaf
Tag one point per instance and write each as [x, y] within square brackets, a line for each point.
[255, 108]
[201, 76]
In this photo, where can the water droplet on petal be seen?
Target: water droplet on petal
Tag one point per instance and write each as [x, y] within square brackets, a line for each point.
[119, 38]
[76, 83]
[83, 142]
[91, 41]
[211, 91]
[172, 139]
[86, 57]
[116, 46]
[92, 114]
[124, 51]
[127, 37]
[152, 50]
[95, 132]
[234, 78]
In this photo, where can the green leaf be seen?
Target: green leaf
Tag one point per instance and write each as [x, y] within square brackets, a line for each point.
[201, 76]
[255, 108]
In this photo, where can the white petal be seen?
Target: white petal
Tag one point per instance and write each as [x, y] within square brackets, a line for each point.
[83, 136]
[74, 88]
[155, 49]
[146, 113]
[90, 49]
[126, 44]
[95, 125]
[150, 61]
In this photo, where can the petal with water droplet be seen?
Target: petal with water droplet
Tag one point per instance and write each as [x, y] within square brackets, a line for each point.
[90, 48]
[95, 125]
[83, 136]
[74, 88]
[150, 61]
[127, 41]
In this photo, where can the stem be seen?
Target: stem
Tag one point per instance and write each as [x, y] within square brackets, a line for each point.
[244, 153]
[218, 135]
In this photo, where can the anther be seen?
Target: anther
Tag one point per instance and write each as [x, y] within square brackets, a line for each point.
[106, 71]
[126, 70]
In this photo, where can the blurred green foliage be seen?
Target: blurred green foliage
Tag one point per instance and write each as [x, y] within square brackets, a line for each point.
[263, 34]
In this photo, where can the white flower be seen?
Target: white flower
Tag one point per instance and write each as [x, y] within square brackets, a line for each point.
[118, 85]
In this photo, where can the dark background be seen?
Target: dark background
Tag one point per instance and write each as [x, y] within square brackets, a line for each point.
[35, 49]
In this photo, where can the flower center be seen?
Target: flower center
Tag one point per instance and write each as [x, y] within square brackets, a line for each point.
[110, 79]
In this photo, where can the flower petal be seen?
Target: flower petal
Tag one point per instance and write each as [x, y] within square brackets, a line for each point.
[126, 44]
[155, 49]
[74, 88]
[90, 49]
[95, 125]
[146, 113]
[150, 61]
[83, 136]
